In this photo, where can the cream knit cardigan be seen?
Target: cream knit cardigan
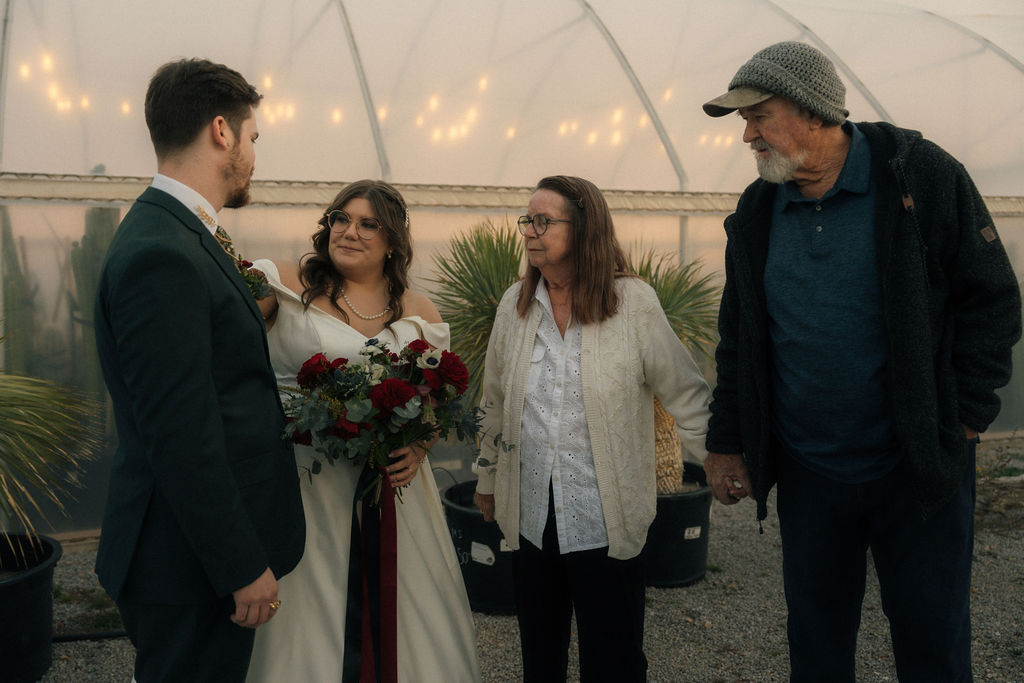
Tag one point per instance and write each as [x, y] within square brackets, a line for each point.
[626, 361]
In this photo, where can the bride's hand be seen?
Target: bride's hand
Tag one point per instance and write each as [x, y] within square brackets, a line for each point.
[405, 463]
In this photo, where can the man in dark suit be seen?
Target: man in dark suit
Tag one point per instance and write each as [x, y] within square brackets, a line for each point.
[203, 512]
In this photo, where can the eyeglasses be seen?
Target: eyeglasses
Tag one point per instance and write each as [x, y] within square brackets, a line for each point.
[338, 221]
[540, 223]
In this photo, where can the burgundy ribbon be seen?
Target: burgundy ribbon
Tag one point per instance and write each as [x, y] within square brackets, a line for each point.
[371, 627]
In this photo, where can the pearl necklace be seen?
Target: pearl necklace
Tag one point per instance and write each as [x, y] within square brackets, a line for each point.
[356, 310]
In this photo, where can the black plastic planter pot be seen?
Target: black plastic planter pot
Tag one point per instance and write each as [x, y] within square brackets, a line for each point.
[483, 554]
[26, 607]
[676, 553]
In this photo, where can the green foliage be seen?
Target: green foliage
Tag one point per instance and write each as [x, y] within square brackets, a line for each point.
[471, 278]
[45, 431]
[688, 297]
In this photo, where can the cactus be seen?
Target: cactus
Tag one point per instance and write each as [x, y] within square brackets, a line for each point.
[18, 310]
[86, 262]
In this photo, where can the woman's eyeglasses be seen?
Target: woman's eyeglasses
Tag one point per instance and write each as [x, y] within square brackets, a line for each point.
[338, 221]
[540, 223]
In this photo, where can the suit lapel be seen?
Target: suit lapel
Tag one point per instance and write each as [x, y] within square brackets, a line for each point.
[208, 242]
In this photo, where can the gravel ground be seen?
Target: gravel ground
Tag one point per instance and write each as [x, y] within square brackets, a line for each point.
[730, 626]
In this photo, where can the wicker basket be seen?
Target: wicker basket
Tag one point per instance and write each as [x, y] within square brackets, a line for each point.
[668, 452]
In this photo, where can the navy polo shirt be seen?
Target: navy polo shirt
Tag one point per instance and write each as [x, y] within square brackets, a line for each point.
[826, 326]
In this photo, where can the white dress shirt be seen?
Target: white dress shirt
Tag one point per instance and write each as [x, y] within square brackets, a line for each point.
[193, 201]
[555, 441]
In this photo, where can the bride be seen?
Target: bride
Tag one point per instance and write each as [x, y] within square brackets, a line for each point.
[351, 288]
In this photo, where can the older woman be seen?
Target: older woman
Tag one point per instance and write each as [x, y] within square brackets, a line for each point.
[578, 350]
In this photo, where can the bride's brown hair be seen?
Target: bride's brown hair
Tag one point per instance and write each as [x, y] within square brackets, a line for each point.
[317, 272]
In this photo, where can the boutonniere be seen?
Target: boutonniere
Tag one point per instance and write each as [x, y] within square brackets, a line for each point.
[254, 278]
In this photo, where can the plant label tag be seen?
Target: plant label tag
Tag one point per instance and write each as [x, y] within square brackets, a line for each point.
[481, 553]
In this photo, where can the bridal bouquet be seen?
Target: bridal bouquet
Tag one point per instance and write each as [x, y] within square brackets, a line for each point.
[363, 409]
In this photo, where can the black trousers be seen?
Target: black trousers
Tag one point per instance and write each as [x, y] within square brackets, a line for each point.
[607, 596]
[923, 567]
[187, 643]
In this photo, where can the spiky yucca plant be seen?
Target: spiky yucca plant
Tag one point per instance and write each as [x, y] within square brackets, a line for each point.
[45, 431]
[481, 264]
[690, 302]
[688, 297]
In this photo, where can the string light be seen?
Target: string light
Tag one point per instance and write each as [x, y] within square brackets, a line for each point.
[482, 83]
[668, 95]
[434, 103]
[126, 107]
[24, 71]
[47, 62]
[382, 113]
[268, 82]
[510, 133]
[336, 116]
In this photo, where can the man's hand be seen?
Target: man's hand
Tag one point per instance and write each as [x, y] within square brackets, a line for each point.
[485, 501]
[728, 477]
[253, 603]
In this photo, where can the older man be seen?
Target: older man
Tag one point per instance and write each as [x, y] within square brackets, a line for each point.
[867, 319]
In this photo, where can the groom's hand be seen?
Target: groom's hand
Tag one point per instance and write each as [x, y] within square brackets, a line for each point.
[252, 602]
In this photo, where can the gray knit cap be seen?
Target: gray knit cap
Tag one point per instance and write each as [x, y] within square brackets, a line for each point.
[793, 70]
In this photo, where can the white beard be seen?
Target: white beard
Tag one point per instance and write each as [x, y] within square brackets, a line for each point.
[776, 168]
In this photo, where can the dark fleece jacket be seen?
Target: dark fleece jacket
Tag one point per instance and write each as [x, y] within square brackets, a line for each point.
[952, 312]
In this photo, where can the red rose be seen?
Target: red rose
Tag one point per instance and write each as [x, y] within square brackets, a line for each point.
[390, 394]
[433, 379]
[419, 346]
[452, 371]
[309, 373]
[343, 428]
[339, 363]
[304, 438]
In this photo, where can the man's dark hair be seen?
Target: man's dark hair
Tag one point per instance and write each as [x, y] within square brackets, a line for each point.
[185, 95]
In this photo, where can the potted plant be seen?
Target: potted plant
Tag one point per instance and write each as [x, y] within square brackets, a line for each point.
[45, 430]
[480, 266]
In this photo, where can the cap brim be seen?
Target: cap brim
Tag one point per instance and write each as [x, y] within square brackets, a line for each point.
[742, 96]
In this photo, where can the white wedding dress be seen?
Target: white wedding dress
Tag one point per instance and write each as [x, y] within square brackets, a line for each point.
[305, 641]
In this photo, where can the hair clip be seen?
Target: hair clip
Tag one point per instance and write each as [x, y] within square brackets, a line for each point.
[579, 202]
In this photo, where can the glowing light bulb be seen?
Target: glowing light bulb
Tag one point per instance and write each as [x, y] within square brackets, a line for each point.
[642, 123]
[382, 113]
[419, 121]
[126, 107]
[436, 135]
[268, 82]
[617, 116]
[84, 103]
[668, 95]
[24, 71]
[592, 138]
[47, 62]
[471, 115]
[482, 83]
[616, 138]
[510, 133]
[433, 103]
[563, 128]
[336, 116]
[703, 139]
[53, 91]
[289, 111]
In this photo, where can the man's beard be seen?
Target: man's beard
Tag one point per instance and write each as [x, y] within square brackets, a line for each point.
[776, 168]
[241, 179]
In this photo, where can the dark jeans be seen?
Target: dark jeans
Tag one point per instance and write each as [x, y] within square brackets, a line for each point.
[608, 598]
[923, 567]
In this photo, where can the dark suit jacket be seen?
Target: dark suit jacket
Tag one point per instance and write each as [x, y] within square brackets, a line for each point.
[203, 491]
